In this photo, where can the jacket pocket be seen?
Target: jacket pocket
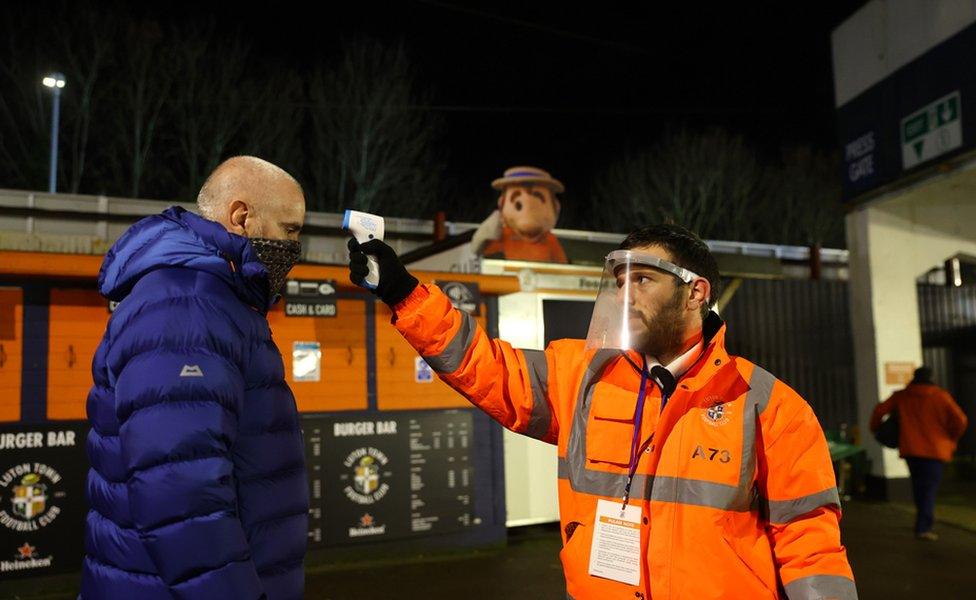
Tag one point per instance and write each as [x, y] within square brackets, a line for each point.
[575, 553]
[610, 427]
[731, 537]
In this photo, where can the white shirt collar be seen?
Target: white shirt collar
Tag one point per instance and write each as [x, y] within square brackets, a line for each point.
[680, 365]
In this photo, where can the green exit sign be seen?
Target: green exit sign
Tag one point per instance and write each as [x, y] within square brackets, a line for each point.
[931, 130]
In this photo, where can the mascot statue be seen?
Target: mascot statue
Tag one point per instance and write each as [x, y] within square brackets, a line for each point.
[521, 227]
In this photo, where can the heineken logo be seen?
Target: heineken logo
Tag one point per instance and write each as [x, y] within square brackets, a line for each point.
[366, 526]
[26, 557]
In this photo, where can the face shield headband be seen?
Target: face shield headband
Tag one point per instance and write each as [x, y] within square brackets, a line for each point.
[618, 258]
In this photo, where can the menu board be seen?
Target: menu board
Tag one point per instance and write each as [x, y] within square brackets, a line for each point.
[42, 498]
[389, 475]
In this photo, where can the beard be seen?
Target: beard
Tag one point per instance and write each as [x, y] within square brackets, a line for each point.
[661, 334]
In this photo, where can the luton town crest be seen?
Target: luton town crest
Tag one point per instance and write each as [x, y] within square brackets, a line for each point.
[717, 414]
[366, 485]
[32, 496]
[367, 477]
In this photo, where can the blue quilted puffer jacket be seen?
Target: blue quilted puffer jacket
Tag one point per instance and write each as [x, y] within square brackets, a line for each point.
[197, 487]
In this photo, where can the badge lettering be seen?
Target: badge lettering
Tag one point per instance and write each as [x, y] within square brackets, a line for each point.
[712, 454]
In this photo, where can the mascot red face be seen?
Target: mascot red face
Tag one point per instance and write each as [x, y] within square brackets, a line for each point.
[521, 228]
[530, 210]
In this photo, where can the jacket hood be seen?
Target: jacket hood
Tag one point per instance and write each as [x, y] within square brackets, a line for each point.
[178, 238]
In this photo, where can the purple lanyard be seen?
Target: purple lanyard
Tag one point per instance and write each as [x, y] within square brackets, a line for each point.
[635, 440]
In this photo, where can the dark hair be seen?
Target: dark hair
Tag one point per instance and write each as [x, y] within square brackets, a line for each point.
[923, 374]
[686, 249]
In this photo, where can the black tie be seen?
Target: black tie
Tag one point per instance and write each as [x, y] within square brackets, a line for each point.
[664, 379]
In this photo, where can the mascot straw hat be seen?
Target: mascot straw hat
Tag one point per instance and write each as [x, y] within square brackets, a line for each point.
[528, 176]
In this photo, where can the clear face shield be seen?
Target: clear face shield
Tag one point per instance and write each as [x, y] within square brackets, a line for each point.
[623, 316]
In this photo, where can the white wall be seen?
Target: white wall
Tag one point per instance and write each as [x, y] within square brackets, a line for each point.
[891, 242]
[531, 488]
[885, 35]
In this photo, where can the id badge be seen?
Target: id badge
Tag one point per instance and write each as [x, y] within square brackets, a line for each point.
[615, 552]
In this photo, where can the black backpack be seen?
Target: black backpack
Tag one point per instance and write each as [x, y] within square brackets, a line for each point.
[887, 433]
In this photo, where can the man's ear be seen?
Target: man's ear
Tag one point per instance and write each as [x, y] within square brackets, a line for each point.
[501, 200]
[701, 294]
[238, 213]
[556, 205]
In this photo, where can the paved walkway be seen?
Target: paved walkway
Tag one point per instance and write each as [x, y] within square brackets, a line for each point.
[888, 561]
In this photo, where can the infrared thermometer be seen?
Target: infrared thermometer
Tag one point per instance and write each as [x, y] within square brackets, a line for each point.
[365, 227]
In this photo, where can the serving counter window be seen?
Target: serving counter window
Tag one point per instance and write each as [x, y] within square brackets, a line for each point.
[11, 351]
[325, 358]
[77, 323]
[403, 380]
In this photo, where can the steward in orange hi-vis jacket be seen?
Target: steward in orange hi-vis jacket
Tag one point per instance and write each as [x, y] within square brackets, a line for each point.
[684, 472]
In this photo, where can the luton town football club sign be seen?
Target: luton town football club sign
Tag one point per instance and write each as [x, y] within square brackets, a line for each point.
[379, 477]
[367, 470]
[32, 495]
[42, 503]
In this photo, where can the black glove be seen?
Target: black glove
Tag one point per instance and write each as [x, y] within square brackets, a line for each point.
[395, 282]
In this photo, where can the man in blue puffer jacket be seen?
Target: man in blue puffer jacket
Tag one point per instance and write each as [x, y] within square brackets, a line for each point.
[198, 486]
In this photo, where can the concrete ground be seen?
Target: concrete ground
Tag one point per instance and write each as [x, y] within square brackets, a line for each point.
[888, 563]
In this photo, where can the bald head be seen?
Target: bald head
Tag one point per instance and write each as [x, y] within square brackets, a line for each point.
[254, 198]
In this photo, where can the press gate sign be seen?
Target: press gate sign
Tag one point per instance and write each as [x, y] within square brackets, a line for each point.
[931, 131]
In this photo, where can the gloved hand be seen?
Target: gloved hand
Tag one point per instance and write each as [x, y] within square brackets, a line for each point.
[395, 282]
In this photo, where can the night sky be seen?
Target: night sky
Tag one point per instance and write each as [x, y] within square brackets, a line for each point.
[571, 87]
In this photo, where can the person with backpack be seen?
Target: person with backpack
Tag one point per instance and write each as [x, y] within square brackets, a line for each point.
[929, 424]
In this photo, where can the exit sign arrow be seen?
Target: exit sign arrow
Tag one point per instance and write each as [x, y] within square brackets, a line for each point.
[931, 131]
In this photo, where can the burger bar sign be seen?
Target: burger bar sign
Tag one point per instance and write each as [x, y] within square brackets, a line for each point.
[41, 498]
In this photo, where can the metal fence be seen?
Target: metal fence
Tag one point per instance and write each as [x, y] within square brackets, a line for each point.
[800, 331]
[945, 310]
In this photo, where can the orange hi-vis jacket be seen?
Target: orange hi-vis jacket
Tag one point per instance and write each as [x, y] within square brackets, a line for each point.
[929, 423]
[513, 247]
[735, 484]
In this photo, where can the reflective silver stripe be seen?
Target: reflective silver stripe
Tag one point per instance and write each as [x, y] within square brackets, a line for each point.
[538, 372]
[784, 511]
[761, 384]
[664, 489]
[821, 587]
[576, 445]
[602, 483]
[449, 360]
[562, 469]
[700, 493]
[739, 498]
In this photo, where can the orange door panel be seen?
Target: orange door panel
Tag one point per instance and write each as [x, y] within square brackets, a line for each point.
[77, 323]
[397, 385]
[11, 351]
[342, 382]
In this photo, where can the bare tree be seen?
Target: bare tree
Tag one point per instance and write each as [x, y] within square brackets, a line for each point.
[24, 110]
[85, 40]
[209, 103]
[140, 89]
[274, 120]
[371, 138]
[710, 183]
[805, 206]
